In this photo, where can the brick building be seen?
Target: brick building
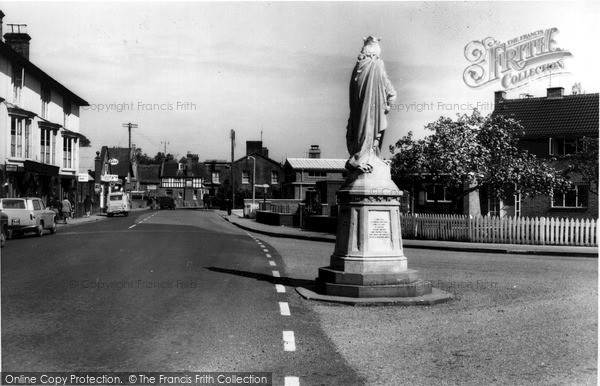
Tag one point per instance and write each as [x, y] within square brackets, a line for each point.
[554, 127]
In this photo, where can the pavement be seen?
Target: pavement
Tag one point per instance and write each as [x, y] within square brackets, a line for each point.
[237, 219]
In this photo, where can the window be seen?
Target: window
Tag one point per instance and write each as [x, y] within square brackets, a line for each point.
[215, 177]
[245, 177]
[197, 182]
[47, 145]
[314, 173]
[437, 192]
[274, 178]
[20, 138]
[169, 192]
[67, 112]
[563, 146]
[173, 183]
[36, 205]
[68, 152]
[17, 83]
[46, 96]
[573, 198]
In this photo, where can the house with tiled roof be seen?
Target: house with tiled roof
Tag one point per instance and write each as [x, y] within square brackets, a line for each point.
[149, 178]
[184, 181]
[554, 127]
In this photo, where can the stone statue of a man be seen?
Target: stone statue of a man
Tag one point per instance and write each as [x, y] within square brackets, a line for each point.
[370, 95]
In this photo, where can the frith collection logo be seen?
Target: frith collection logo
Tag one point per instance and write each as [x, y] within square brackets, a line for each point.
[514, 63]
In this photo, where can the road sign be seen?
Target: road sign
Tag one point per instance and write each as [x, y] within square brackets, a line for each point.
[113, 161]
[83, 177]
[109, 178]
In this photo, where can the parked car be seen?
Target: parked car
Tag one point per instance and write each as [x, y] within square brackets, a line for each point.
[166, 202]
[28, 214]
[118, 203]
[3, 228]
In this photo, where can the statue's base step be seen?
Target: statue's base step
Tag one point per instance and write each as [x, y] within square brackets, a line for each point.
[435, 297]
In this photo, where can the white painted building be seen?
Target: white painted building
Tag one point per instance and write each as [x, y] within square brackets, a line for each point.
[39, 124]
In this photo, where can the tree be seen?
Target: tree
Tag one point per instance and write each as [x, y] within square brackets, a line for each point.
[475, 152]
[585, 163]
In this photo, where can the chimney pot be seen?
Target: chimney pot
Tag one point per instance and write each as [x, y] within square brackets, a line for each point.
[18, 39]
[555, 92]
[499, 96]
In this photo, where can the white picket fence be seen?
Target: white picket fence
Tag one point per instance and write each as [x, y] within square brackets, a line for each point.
[508, 230]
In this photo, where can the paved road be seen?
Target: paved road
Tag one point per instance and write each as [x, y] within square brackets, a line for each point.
[516, 320]
[146, 293]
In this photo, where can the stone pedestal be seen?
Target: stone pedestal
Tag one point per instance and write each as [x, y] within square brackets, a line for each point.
[368, 260]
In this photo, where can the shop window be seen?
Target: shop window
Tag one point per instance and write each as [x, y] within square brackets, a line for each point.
[245, 177]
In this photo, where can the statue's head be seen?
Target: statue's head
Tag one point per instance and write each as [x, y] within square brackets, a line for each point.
[371, 46]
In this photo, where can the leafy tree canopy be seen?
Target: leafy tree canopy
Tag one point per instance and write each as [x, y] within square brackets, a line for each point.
[473, 152]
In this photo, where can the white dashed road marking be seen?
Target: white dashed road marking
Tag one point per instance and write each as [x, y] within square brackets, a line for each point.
[289, 343]
[284, 308]
[280, 288]
[292, 381]
[276, 274]
[272, 263]
[268, 255]
[132, 226]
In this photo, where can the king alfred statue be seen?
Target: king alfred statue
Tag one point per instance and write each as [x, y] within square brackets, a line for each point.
[370, 96]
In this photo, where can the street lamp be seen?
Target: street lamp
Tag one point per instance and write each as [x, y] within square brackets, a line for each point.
[253, 178]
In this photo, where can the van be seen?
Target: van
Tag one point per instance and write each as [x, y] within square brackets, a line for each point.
[118, 202]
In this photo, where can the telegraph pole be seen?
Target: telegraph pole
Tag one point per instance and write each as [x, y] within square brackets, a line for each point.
[129, 126]
[232, 174]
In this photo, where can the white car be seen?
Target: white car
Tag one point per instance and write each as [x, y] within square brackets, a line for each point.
[28, 214]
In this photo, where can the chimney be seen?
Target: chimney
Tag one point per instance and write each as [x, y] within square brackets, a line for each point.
[18, 39]
[555, 92]
[499, 96]
[1, 18]
[265, 152]
[314, 152]
[253, 147]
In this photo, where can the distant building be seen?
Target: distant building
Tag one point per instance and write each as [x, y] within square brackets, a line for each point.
[301, 174]
[255, 170]
[184, 181]
[149, 179]
[554, 126]
[39, 125]
[116, 169]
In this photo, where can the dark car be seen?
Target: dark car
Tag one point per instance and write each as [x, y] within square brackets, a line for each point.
[3, 228]
[166, 202]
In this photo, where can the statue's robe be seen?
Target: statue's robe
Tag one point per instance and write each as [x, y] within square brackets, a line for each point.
[370, 93]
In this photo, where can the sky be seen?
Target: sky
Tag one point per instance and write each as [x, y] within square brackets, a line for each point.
[189, 72]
